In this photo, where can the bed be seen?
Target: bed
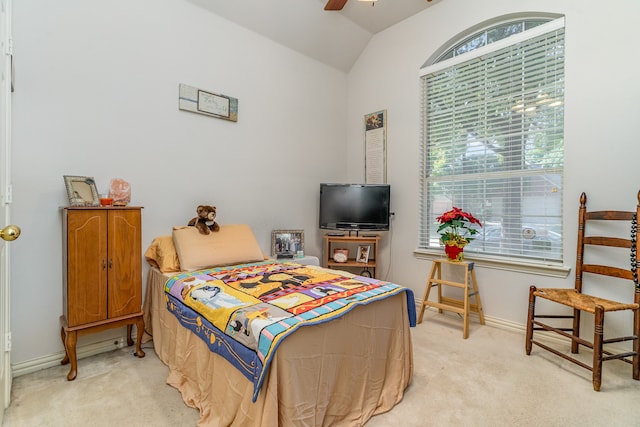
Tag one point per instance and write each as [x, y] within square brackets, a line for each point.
[327, 372]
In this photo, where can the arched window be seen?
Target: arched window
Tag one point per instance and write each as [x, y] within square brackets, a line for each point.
[493, 138]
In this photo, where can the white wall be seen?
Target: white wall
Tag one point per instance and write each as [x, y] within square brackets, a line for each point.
[601, 136]
[97, 95]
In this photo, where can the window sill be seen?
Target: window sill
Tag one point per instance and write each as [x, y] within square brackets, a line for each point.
[521, 266]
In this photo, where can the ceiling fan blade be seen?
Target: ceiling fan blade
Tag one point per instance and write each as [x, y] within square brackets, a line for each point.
[335, 4]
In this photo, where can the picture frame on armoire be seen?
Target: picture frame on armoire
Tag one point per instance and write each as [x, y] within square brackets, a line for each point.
[81, 190]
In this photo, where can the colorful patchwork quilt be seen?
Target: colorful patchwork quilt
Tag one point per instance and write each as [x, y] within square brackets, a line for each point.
[244, 312]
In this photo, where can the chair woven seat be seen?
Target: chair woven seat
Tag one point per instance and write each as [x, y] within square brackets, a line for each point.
[588, 303]
[606, 252]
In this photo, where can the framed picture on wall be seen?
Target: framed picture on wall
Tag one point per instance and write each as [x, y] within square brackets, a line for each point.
[375, 147]
[286, 243]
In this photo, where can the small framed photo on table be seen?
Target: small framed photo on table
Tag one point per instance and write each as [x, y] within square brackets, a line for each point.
[363, 254]
[287, 243]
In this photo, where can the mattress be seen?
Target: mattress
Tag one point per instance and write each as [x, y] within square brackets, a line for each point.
[336, 373]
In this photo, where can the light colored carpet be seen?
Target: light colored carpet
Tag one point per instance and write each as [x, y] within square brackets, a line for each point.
[111, 389]
[486, 380]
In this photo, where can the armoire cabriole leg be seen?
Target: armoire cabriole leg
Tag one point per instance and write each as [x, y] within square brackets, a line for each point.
[70, 348]
[65, 359]
[129, 338]
[140, 331]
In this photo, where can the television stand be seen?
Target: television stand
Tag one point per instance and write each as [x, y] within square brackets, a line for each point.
[352, 233]
[352, 243]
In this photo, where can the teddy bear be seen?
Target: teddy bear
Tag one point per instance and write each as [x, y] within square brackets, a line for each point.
[205, 221]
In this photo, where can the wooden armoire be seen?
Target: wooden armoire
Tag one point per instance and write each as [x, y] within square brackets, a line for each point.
[102, 275]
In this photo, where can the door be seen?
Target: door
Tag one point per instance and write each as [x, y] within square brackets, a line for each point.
[125, 263]
[8, 233]
[85, 291]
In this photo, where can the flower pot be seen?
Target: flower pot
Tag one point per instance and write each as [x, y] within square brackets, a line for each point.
[454, 250]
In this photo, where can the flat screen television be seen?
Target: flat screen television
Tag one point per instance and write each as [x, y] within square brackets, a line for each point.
[354, 206]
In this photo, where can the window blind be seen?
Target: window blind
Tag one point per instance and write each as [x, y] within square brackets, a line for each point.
[493, 144]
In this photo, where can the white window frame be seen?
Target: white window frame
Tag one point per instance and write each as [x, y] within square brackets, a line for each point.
[426, 247]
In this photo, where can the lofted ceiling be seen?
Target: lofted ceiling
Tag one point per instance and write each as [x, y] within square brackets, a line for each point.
[335, 38]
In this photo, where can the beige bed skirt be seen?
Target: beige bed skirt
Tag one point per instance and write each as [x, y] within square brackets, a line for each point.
[338, 373]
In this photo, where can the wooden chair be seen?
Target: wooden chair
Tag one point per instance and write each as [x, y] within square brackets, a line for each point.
[595, 305]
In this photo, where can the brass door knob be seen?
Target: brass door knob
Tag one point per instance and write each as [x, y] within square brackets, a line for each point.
[10, 233]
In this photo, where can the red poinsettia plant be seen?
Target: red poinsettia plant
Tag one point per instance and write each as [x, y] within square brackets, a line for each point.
[456, 225]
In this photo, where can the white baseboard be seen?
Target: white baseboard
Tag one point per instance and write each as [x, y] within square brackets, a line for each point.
[34, 365]
[488, 320]
[550, 338]
[495, 322]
